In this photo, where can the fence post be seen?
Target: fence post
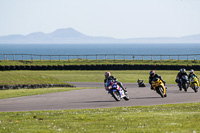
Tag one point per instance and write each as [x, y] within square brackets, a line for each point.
[22, 57]
[4, 57]
[114, 57]
[142, 57]
[86, 57]
[151, 58]
[40, 58]
[13, 57]
[105, 56]
[169, 57]
[187, 58]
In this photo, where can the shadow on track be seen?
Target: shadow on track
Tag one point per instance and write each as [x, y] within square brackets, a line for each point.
[96, 101]
[146, 97]
[100, 101]
[178, 92]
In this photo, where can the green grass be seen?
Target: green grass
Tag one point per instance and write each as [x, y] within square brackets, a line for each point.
[99, 62]
[26, 77]
[184, 118]
[57, 77]
[11, 93]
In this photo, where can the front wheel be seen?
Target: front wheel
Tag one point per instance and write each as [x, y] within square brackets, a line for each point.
[195, 88]
[116, 95]
[180, 87]
[160, 91]
[185, 87]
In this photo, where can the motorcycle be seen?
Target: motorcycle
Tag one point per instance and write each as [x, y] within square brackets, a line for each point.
[159, 87]
[141, 83]
[116, 91]
[183, 83]
[194, 83]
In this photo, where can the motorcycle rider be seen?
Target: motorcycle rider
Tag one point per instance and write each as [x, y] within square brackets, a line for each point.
[109, 77]
[180, 74]
[192, 74]
[152, 76]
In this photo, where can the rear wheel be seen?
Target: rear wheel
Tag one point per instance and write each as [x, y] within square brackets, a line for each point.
[165, 94]
[116, 95]
[126, 97]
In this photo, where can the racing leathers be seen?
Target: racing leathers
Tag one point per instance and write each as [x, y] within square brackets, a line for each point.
[192, 74]
[113, 79]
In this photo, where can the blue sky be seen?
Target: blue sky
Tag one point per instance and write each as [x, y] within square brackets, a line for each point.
[112, 18]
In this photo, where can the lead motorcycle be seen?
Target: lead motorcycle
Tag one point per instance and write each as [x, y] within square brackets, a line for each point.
[183, 83]
[116, 91]
[159, 87]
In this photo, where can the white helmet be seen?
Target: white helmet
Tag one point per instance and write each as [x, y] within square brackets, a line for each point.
[191, 71]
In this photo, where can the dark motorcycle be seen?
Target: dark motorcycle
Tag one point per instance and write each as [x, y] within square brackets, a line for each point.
[183, 83]
[141, 83]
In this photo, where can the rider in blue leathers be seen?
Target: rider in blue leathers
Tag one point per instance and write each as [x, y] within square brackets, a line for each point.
[108, 78]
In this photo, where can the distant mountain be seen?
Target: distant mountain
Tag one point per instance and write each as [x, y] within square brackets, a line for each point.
[71, 36]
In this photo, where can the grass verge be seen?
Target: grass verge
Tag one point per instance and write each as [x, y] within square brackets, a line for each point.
[160, 118]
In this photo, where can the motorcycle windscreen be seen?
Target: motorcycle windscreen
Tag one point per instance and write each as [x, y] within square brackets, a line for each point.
[155, 79]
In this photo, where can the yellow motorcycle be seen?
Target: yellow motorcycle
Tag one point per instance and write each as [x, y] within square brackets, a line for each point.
[159, 87]
[194, 83]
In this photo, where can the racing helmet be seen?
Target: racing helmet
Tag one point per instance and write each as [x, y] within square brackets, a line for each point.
[182, 70]
[107, 75]
[191, 71]
[152, 73]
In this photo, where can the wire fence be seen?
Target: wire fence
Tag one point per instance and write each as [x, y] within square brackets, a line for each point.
[32, 57]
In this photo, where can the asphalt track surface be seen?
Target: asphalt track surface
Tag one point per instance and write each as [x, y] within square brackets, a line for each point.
[96, 98]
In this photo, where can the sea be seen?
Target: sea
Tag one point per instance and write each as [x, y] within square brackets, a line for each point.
[160, 51]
